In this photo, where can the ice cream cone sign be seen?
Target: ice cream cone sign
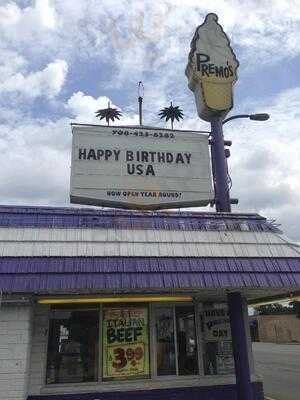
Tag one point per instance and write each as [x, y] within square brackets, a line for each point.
[212, 69]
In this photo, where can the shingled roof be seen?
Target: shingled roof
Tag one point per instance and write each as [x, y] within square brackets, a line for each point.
[48, 249]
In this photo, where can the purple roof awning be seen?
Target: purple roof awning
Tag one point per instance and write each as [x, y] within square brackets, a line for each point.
[58, 217]
[30, 274]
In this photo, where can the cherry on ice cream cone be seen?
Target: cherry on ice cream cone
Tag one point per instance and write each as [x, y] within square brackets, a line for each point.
[212, 69]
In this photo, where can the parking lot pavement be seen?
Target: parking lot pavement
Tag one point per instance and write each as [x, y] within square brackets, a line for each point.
[279, 366]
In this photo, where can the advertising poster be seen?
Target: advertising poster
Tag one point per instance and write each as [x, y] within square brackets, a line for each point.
[125, 343]
[225, 363]
[216, 324]
[218, 358]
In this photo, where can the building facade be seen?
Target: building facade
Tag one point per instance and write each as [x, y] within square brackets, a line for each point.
[134, 305]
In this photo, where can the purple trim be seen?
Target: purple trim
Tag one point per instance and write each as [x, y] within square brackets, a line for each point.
[47, 217]
[223, 392]
[239, 347]
[122, 273]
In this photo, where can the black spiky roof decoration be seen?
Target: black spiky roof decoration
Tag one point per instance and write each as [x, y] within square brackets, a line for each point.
[109, 114]
[171, 113]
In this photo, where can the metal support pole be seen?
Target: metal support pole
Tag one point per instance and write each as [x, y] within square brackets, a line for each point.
[239, 347]
[219, 167]
[140, 110]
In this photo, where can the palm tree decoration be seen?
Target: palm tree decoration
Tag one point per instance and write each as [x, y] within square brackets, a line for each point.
[108, 113]
[171, 113]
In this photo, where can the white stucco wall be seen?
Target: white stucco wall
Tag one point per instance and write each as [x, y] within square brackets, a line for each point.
[15, 348]
[39, 349]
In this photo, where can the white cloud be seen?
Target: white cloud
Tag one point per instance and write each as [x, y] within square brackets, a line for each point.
[150, 41]
[83, 107]
[38, 152]
[265, 166]
[265, 160]
[12, 62]
[46, 14]
[41, 15]
[36, 162]
[47, 83]
[149, 33]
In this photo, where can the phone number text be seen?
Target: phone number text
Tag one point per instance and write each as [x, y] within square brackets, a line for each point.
[164, 135]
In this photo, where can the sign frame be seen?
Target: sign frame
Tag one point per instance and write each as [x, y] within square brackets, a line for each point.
[156, 137]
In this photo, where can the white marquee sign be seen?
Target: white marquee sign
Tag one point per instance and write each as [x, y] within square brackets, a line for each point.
[139, 168]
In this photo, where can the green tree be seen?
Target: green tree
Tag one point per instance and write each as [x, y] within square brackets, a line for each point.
[274, 309]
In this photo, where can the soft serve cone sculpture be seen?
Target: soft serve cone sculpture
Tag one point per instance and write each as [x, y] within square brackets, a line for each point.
[211, 69]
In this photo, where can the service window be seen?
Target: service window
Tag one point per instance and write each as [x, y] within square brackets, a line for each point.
[217, 345]
[125, 350]
[73, 346]
[79, 342]
[176, 343]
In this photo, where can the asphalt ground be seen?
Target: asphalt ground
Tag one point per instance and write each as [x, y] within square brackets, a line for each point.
[279, 366]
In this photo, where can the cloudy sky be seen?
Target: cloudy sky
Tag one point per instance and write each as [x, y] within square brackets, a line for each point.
[60, 60]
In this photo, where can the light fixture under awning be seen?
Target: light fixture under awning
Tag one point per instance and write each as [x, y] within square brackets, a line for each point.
[115, 299]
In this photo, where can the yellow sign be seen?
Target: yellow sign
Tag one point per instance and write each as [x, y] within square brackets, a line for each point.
[211, 69]
[125, 343]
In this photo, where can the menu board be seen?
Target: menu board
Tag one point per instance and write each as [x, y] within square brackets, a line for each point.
[125, 343]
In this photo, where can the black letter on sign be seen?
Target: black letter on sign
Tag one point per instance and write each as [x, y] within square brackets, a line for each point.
[130, 169]
[139, 169]
[205, 58]
[150, 170]
[92, 154]
[129, 155]
[82, 154]
[204, 70]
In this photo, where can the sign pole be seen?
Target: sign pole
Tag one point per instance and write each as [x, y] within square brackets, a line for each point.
[239, 346]
[212, 72]
[222, 196]
[140, 99]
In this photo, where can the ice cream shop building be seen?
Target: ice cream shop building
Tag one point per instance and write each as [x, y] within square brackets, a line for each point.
[131, 305]
[113, 304]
